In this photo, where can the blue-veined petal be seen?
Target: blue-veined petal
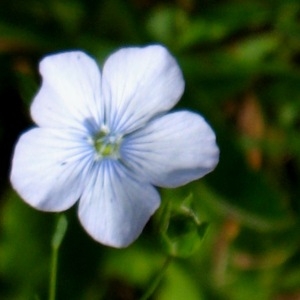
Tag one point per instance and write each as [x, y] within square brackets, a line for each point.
[172, 150]
[70, 92]
[114, 207]
[48, 168]
[137, 84]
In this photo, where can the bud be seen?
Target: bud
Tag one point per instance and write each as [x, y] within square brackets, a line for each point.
[180, 229]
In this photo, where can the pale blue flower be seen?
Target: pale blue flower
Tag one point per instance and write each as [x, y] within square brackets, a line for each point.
[106, 140]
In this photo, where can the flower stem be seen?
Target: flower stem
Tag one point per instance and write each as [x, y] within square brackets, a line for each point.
[153, 286]
[57, 238]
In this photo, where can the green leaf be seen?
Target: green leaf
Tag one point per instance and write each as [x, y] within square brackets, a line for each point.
[244, 194]
[179, 284]
[256, 49]
[24, 248]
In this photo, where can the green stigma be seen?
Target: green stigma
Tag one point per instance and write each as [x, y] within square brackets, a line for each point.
[106, 144]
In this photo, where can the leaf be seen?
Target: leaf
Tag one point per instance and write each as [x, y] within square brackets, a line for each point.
[24, 248]
[234, 190]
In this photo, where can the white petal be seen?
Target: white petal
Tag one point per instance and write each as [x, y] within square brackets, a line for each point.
[114, 207]
[48, 168]
[70, 92]
[137, 84]
[172, 150]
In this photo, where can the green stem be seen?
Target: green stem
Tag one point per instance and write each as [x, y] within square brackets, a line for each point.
[57, 238]
[153, 286]
[53, 274]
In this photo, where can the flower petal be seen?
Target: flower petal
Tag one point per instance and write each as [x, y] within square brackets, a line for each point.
[172, 150]
[48, 167]
[137, 84]
[114, 207]
[70, 91]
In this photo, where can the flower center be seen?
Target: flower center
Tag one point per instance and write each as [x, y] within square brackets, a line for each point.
[107, 144]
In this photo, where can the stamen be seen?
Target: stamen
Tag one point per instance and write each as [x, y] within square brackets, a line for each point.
[107, 144]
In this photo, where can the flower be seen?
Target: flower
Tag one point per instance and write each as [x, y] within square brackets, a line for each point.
[106, 140]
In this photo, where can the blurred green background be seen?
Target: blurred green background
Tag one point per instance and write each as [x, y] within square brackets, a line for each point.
[241, 63]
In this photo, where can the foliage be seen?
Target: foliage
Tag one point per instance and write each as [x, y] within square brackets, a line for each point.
[240, 60]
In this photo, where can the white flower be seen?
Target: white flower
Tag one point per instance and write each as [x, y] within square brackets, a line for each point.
[106, 140]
